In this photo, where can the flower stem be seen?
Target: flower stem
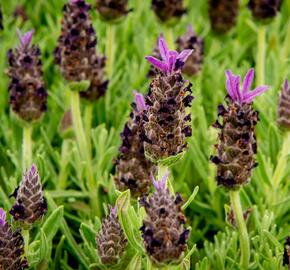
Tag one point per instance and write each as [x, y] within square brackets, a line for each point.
[261, 53]
[110, 49]
[88, 123]
[83, 148]
[26, 147]
[242, 228]
[25, 235]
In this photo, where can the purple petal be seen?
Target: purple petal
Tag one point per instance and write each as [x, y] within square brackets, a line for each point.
[159, 185]
[172, 60]
[163, 49]
[140, 102]
[2, 217]
[248, 80]
[230, 85]
[190, 30]
[237, 88]
[184, 55]
[26, 38]
[247, 98]
[113, 211]
[157, 63]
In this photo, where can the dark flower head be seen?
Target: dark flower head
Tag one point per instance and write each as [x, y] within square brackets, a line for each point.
[244, 95]
[111, 241]
[113, 10]
[167, 121]
[28, 96]
[11, 246]
[132, 168]
[237, 140]
[165, 237]
[191, 41]
[223, 14]
[286, 255]
[76, 50]
[1, 19]
[171, 60]
[30, 204]
[284, 106]
[264, 9]
[168, 10]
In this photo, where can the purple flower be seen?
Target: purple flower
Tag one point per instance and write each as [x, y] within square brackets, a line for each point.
[25, 39]
[140, 102]
[160, 185]
[2, 217]
[244, 95]
[171, 60]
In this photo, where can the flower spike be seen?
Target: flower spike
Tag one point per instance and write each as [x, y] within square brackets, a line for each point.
[171, 60]
[244, 96]
[25, 39]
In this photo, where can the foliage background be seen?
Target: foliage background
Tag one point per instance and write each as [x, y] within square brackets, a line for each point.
[58, 158]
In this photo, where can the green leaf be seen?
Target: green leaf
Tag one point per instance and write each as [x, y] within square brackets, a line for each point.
[44, 246]
[135, 263]
[191, 198]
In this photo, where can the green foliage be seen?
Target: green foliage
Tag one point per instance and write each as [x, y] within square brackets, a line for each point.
[66, 237]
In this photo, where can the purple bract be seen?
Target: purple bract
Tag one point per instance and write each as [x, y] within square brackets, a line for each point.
[140, 102]
[25, 39]
[2, 217]
[171, 60]
[244, 95]
[160, 184]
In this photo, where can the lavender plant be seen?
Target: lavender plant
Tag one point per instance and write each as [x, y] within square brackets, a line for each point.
[11, 246]
[264, 9]
[167, 123]
[111, 241]
[132, 168]
[163, 231]
[191, 41]
[237, 146]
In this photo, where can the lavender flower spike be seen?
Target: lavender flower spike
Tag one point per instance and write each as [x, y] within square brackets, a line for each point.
[171, 60]
[244, 96]
[160, 184]
[25, 39]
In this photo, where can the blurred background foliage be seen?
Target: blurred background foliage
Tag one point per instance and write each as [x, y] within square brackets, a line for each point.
[58, 159]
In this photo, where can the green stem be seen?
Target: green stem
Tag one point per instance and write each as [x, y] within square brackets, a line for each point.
[25, 235]
[88, 124]
[281, 165]
[63, 174]
[261, 53]
[110, 49]
[83, 149]
[27, 148]
[242, 228]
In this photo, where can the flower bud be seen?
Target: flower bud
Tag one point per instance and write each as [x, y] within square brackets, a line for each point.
[264, 9]
[284, 106]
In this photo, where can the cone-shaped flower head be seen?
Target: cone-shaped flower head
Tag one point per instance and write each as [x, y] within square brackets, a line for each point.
[284, 106]
[76, 50]
[286, 255]
[28, 96]
[223, 14]
[111, 240]
[133, 169]
[112, 10]
[167, 10]
[264, 9]
[166, 123]
[163, 230]
[30, 205]
[11, 246]
[191, 41]
[237, 141]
